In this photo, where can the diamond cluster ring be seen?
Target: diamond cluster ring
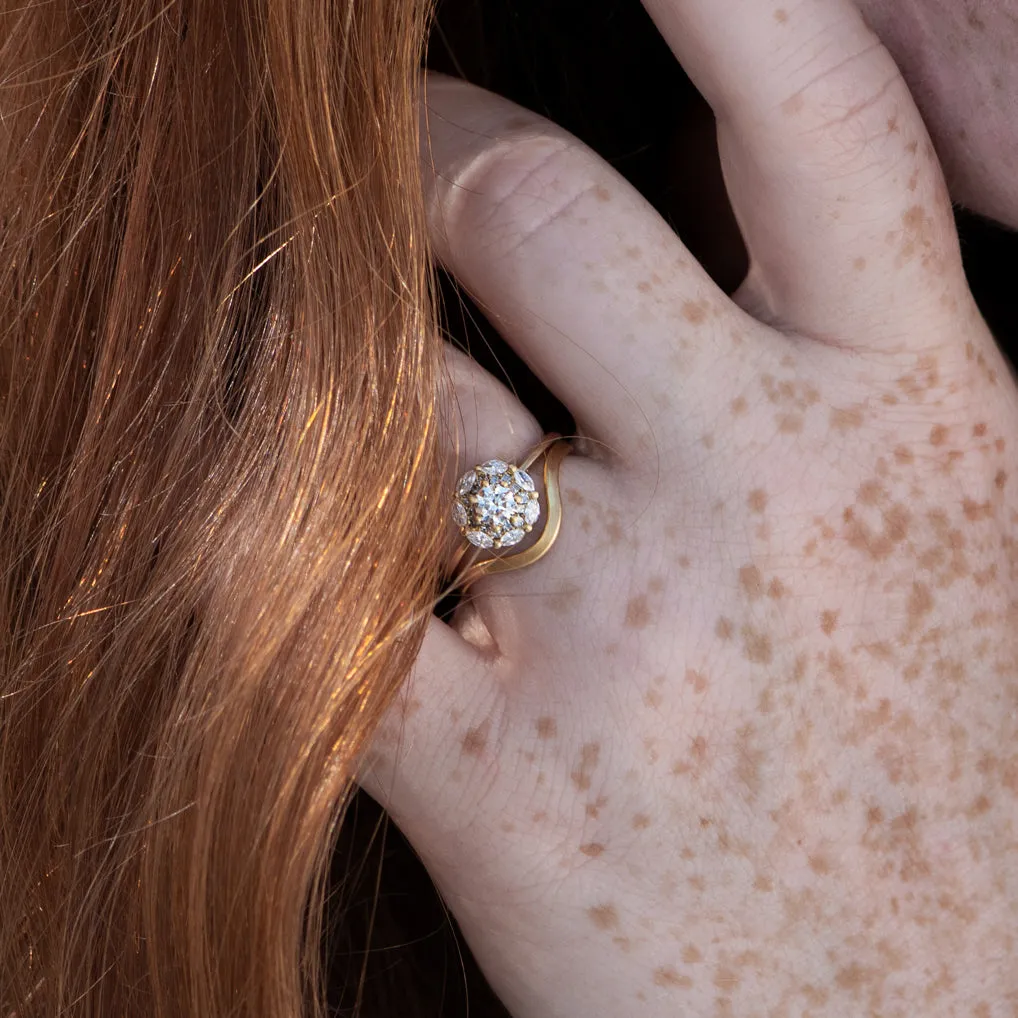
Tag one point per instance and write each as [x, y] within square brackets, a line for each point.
[497, 504]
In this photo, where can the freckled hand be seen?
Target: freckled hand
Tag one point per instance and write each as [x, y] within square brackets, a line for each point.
[742, 742]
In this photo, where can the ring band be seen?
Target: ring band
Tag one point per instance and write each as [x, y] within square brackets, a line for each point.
[554, 448]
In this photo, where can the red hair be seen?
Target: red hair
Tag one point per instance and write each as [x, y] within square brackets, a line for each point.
[220, 464]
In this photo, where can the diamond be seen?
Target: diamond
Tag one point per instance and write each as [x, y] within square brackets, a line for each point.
[532, 513]
[513, 537]
[459, 514]
[495, 467]
[480, 539]
[523, 479]
[467, 483]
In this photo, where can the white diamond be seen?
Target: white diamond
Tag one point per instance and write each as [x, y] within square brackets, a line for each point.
[459, 514]
[532, 513]
[467, 482]
[480, 539]
[513, 537]
[523, 479]
[494, 467]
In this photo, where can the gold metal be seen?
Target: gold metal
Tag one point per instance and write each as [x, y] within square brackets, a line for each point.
[554, 448]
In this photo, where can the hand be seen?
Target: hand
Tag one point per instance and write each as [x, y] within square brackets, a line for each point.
[744, 741]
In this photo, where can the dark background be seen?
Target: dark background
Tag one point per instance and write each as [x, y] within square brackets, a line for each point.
[600, 70]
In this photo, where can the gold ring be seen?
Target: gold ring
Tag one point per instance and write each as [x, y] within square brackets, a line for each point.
[496, 505]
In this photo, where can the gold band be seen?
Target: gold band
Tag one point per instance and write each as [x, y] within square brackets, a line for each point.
[554, 448]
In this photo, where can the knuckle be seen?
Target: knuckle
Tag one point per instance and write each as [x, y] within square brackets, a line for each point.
[519, 186]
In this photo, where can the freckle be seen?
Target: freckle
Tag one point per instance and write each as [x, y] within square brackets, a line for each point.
[912, 147]
[633, 251]
[476, 739]
[593, 849]
[789, 424]
[656, 584]
[611, 649]
[1000, 480]
[695, 312]
[975, 511]
[756, 646]
[815, 997]
[739, 406]
[781, 16]
[724, 628]
[1000, 445]
[653, 699]
[938, 434]
[604, 917]
[920, 603]
[896, 523]
[853, 977]
[889, 399]
[697, 883]
[757, 500]
[751, 581]
[843, 419]
[810, 547]
[455, 715]
[614, 531]
[913, 181]
[643, 286]
[859, 264]
[602, 193]
[696, 679]
[637, 612]
[691, 954]
[828, 621]
[686, 853]
[794, 105]
[589, 755]
[913, 218]
[683, 561]
[978, 430]
[547, 728]
[766, 702]
[641, 822]
[903, 455]
[819, 865]
[871, 493]
[566, 598]
[699, 748]
[892, 124]
[669, 977]
[775, 589]
[539, 816]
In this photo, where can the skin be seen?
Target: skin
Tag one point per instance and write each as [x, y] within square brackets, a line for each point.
[958, 58]
[743, 742]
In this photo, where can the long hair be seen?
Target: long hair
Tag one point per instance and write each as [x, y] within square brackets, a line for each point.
[219, 459]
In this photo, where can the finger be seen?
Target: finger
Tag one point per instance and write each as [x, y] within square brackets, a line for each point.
[439, 727]
[829, 166]
[580, 274]
[486, 422]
